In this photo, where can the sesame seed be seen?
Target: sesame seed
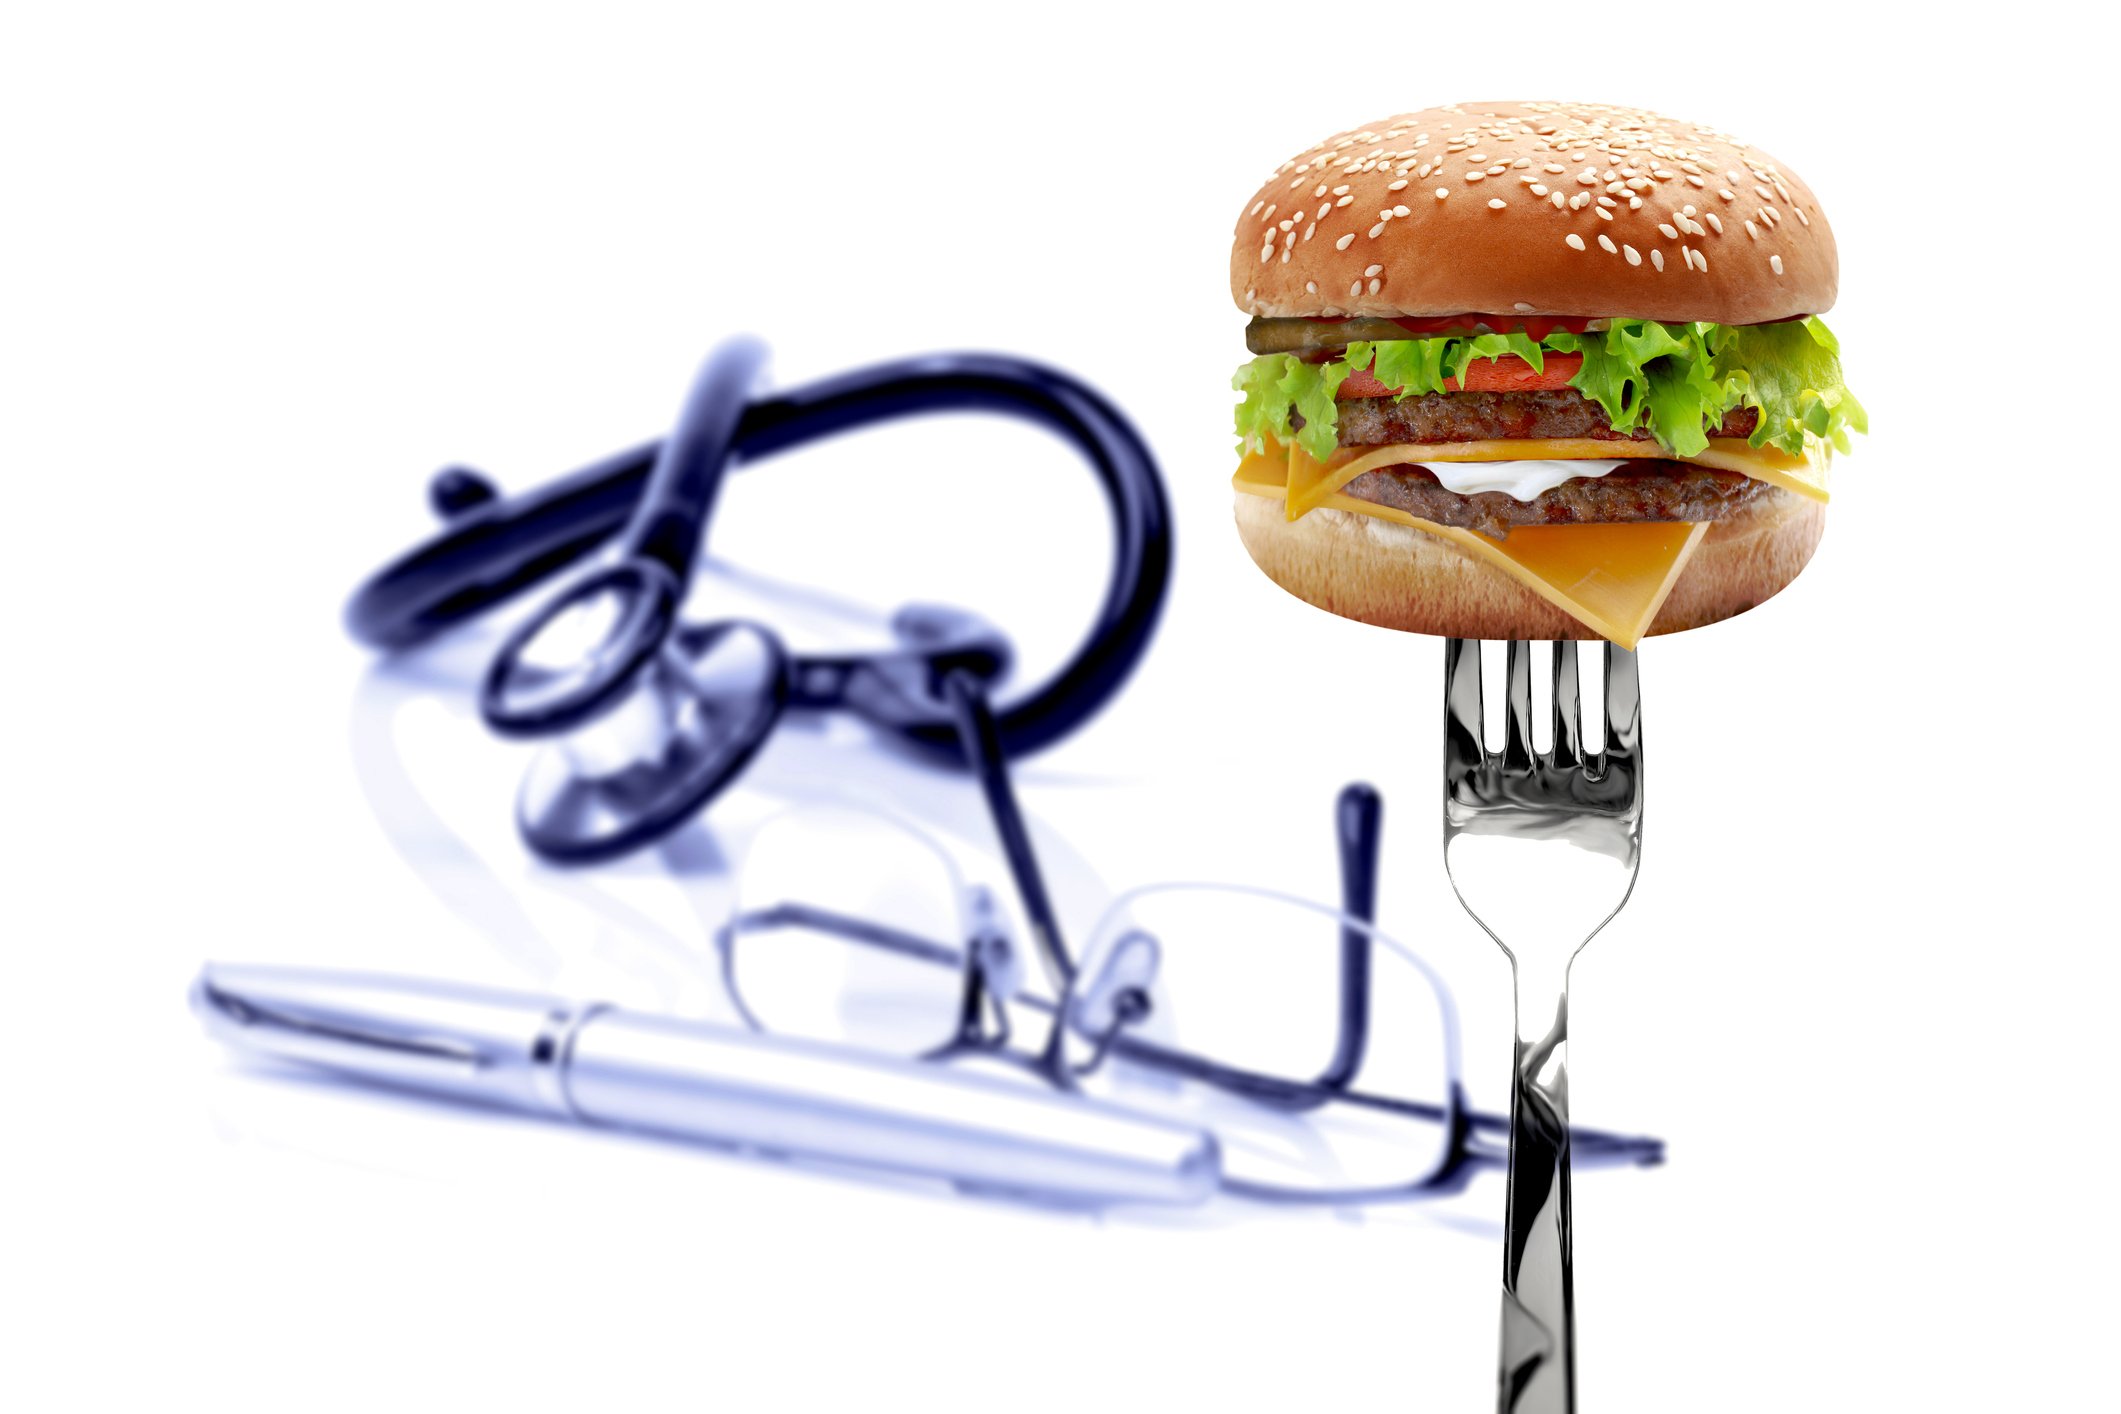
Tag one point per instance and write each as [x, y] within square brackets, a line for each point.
[1255, 208]
[1400, 185]
[1522, 308]
[1634, 203]
[1538, 189]
[1604, 215]
[1475, 176]
[1288, 225]
[1607, 201]
[1375, 286]
[1775, 263]
[1478, 157]
[1266, 252]
[1344, 201]
[1373, 272]
[1345, 241]
[1657, 257]
[1696, 181]
[1801, 217]
[1752, 230]
[1556, 168]
[1726, 193]
[1573, 241]
[1765, 194]
[1668, 231]
[1310, 230]
[1716, 221]
[1310, 287]
[1605, 243]
[1377, 230]
[1341, 190]
[1558, 200]
[1579, 201]
[1355, 289]
[1701, 262]
[1321, 190]
[1401, 211]
[1442, 192]
[1634, 256]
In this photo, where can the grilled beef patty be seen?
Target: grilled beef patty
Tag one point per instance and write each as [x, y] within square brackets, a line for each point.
[1477, 417]
[1648, 489]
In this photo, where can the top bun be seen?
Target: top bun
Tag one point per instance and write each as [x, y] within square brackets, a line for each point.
[1534, 208]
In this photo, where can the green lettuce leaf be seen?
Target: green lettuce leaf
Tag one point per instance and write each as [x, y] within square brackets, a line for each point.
[1278, 384]
[1678, 380]
[1792, 373]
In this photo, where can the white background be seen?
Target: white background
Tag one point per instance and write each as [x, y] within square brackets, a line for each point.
[266, 266]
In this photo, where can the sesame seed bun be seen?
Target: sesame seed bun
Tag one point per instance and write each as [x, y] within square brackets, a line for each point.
[1461, 209]
[1395, 576]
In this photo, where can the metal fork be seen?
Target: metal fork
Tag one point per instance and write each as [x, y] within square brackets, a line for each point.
[1542, 851]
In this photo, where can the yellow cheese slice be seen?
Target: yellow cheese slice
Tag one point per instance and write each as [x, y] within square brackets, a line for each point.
[1612, 578]
[1311, 481]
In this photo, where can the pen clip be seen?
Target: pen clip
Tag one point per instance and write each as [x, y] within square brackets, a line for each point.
[299, 1034]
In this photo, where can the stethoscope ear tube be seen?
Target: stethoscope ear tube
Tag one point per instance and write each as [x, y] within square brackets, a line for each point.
[639, 595]
[493, 550]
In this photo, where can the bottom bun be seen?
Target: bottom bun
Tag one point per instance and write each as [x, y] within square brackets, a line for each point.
[1395, 576]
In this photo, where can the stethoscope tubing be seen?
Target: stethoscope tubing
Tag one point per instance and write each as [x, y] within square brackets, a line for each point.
[494, 550]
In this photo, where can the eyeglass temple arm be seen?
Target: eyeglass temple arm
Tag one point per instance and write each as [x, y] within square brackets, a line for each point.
[859, 930]
[1358, 824]
[976, 731]
[1488, 1138]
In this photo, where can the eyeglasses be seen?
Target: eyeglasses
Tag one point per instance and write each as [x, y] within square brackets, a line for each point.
[1322, 1054]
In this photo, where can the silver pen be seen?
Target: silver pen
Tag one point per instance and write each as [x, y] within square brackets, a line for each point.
[599, 1065]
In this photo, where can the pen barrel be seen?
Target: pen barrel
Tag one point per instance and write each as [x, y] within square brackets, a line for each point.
[795, 1098]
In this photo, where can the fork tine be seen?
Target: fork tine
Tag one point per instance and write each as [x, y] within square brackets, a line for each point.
[1517, 695]
[1568, 706]
[1461, 704]
[1623, 703]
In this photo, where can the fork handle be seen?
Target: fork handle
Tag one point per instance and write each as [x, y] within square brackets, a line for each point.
[1537, 1373]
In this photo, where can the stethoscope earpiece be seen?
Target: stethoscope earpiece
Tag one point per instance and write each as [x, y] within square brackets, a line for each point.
[645, 719]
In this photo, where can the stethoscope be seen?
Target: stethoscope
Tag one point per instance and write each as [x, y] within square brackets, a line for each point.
[645, 719]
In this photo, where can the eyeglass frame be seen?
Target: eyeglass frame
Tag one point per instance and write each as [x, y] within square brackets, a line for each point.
[1474, 1139]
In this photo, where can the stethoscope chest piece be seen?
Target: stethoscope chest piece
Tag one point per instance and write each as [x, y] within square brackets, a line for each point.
[687, 724]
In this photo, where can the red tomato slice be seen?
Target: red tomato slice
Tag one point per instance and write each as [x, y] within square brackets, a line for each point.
[1508, 374]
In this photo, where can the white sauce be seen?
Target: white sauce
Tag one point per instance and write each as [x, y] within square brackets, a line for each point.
[1522, 481]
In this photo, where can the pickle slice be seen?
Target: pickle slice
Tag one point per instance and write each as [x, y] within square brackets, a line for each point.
[1266, 336]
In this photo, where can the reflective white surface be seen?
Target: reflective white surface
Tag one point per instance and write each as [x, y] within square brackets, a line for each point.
[267, 269]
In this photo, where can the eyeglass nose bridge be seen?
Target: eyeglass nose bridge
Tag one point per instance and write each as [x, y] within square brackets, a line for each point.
[1113, 991]
[991, 949]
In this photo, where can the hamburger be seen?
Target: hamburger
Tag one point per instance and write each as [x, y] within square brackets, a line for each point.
[1536, 370]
